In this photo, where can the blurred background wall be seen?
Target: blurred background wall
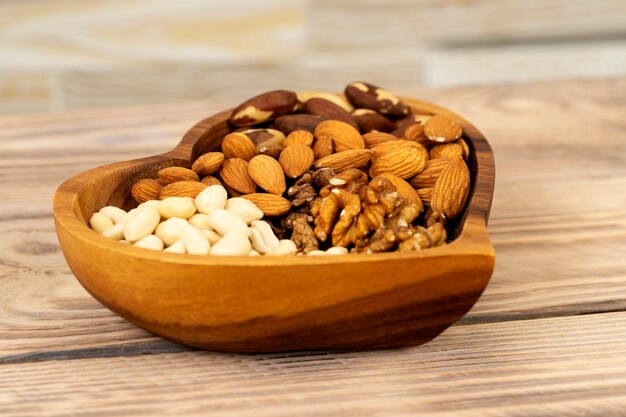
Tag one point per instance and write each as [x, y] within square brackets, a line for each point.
[63, 54]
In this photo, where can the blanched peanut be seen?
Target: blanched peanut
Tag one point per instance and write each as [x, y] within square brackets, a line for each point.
[229, 227]
[212, 235]
[178, 247]
[196, 243]
[337, 250]
[257, 241]
[262, 237]
[150, 242]
[169, 230]
[141, 224]
[201, 221]
[211, 198]
[100, 223]
[285, 247]
[223, 222]
[182, 207]
[150, 203]
[244, 209]
[129, 215]
[116, 214]
[266, 231]
[233, 244]
[117, 231]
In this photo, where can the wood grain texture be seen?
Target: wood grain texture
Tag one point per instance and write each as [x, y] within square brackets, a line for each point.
[82, 89]
[567, 366]
[100, 35]
[404, 23]
[546, 337]
[488, 64]
[21, 93]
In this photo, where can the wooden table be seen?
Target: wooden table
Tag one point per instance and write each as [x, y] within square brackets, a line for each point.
[548, 337]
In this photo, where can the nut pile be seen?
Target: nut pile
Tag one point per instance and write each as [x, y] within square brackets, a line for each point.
[211, 223]
[308, 173]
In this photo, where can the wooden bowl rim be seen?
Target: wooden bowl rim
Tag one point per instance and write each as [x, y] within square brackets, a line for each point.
[472, 237]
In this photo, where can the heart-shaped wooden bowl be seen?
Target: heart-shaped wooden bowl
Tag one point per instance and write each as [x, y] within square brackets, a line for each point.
[267, 304]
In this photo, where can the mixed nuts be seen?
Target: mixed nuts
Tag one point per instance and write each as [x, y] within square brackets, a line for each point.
[307, 173]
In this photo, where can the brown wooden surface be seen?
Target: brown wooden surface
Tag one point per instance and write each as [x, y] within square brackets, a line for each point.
[548, 337]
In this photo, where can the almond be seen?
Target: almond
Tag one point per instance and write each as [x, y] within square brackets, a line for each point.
[146, 189]
[269, 204]
[299, 136]
[430, 173]
[415, 133]
[234, 173]
[373, 139]
[210, 180]
[446, 150]
[426, 195]
[296, 159]
[343, 135]
[413, 119]
[232, 192]
[393, 144]
[182, 189]
[441, 129]
[322, 147]
[267, 173]
[208, 163]
[465, 148]
[451, 189]
[173, 174]
[404, 189]
[401, 160]
[353, 158]
[238, 145]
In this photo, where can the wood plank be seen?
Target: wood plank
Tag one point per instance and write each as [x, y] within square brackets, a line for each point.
[557, 219]
[542, 115]
[163, 49]
[547, 367]
[25, 92]
[403, 24]
[497, 64]
[64, 34]
[80, 89]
